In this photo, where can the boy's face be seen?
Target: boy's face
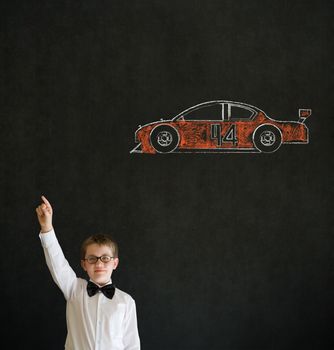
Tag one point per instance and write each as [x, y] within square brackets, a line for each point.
[99, 272]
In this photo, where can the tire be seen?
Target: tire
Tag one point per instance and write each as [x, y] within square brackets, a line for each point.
[267, 138]
[164, 138]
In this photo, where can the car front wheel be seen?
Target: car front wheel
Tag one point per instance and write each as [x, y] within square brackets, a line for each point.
[267, 138]
[164, 138]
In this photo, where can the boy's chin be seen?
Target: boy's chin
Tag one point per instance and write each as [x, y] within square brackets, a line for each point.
[101, 280]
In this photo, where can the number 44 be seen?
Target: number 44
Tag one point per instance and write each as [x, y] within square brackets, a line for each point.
[230, 135]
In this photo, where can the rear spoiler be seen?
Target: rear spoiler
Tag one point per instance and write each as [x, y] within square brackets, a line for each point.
[303, 114]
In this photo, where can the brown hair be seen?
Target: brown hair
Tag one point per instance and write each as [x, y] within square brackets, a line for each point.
[100, 239]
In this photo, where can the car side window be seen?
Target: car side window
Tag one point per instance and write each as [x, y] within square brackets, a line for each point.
[240, 113]
[212, 112]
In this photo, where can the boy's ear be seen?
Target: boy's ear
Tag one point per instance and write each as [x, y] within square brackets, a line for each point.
[116, 262]
[83, 264]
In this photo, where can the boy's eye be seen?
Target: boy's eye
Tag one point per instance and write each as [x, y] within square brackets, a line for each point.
[105, 258]
[91, 259]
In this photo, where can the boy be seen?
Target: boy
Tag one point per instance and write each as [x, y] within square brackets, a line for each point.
[99, 316]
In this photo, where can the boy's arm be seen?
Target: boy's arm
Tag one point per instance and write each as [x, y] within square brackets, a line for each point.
[131, 336]
[62, 274]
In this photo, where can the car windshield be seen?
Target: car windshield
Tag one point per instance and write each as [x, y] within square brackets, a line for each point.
[208, 112]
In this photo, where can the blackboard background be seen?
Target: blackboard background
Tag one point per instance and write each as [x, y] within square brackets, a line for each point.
[229, 251]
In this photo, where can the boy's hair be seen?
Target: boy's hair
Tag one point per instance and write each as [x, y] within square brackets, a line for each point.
[100, 239]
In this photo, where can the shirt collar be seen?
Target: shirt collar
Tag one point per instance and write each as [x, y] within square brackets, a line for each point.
[110, 282]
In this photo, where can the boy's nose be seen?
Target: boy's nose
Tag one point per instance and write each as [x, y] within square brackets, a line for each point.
[99, 263]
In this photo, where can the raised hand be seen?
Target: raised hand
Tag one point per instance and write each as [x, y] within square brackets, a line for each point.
[44, 214]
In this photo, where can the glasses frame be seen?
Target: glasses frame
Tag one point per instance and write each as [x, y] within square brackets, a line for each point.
[97, 258]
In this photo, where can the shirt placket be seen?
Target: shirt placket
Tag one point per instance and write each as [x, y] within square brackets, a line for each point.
[98, 338]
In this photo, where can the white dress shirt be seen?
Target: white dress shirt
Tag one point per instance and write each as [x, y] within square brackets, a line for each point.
[93, 323]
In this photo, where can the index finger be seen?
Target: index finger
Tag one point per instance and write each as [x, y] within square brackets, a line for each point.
[46, 201]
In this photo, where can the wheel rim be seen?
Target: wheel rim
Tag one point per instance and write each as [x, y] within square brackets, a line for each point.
[164, 138]
[267, 138]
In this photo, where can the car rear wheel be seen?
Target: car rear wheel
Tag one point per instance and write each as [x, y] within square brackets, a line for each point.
[267, 138]
[164, 138]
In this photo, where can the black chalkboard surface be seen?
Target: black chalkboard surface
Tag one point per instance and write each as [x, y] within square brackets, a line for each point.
[228, 251]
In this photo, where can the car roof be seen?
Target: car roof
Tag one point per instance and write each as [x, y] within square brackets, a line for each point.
[208, 103]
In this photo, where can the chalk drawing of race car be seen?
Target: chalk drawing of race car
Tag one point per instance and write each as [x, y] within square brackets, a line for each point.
[220, 126]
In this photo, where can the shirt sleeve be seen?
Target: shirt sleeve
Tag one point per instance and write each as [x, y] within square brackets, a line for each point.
[131, 336]
[61, 272]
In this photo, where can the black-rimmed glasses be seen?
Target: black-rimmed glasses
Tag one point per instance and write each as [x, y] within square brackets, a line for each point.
[92, 259]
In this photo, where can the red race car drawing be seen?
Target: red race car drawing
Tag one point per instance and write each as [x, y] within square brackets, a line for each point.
[221, 126]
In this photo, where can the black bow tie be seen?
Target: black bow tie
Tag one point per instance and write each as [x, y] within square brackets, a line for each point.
[108, 290]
